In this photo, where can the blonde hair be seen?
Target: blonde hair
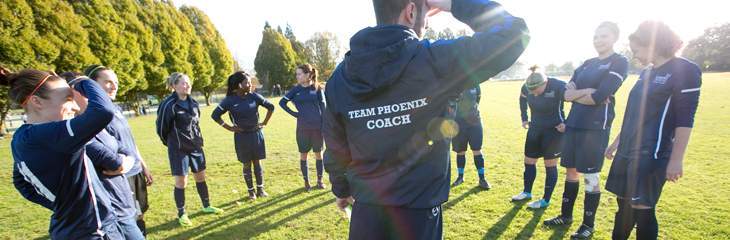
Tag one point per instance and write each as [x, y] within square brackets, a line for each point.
[174, 78]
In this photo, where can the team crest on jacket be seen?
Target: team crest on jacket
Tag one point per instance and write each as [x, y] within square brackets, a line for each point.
[605, 66]
[662, 79]
[550, 94]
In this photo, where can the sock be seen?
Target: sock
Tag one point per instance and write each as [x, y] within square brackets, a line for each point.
[203, 193]
[180, 201]
[258, 173]
[142, 226]
[460, 164]
[623, 222]
[569, 195]
[551, 179]
[590, 205]
[647, 226]
[479, 164]
[247, 175]
[529, 177]
[305, 171]
[320, 169]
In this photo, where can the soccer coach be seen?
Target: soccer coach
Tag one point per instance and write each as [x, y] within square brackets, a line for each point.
[386, 126]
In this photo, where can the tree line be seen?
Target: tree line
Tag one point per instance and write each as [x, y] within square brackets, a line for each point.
[280, 52]
[142, 40]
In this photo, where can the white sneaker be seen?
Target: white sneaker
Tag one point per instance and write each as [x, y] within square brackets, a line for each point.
[538, 204]
[522, 196]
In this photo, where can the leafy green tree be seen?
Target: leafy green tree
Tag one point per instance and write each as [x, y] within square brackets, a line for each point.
[111, 42]
[304, 54]
[275, 59]
[325, 50]
[56, 21]
[711, 50]
[21, 46]
[212, 41]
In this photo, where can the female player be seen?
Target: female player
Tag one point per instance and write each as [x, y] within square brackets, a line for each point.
[471, 133]
[139, 177]
[242, 107]
[178, 119]
[544, 96]
[309, 101]
[588, 126]
[50, 167]
[111, 162]
[655, 133]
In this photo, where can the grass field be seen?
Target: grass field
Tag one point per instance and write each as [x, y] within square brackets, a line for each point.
[698, 207]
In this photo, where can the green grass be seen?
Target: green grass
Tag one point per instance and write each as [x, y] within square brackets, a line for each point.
[695, 208]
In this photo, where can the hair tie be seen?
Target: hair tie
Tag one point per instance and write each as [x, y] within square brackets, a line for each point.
[37, 86]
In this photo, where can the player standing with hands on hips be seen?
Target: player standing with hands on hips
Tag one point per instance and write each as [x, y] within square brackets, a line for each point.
[242, 106]
[386, 113]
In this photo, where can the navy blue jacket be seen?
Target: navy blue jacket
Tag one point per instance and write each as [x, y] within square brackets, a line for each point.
[120, 130]
[467, 106]
[309, 103]
[103, 151]
[242, 110]
[546, 109]
[387, 100]
[663, 99]
[606, 76]
[51, 168]
[179, 127]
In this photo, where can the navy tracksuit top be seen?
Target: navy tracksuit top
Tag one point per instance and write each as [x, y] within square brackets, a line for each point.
[663, 99]
[309, 103]
[606, 76]
[387, 100]
[52, 169]
[546, 109]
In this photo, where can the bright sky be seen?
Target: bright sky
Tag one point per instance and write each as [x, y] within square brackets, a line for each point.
[561, 30]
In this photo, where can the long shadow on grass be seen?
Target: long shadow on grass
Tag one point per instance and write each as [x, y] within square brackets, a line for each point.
[259, 225]
[503, 224]
[262, 204]
[458, 199]
[559, 233]
[529, 229]
[258, 209]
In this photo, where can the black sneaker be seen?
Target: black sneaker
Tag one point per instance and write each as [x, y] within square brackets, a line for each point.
[558, 221]
[261, 193]
[307, 187]
[251, 195]
[484, 184]
[458, 181]
[320, 185]
[584, 232]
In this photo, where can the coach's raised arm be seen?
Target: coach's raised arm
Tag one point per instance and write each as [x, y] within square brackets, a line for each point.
[498, 41]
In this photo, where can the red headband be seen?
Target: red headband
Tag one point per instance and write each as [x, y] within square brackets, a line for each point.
[37, 86]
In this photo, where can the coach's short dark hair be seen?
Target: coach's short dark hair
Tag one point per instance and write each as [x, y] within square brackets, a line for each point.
[387, 11]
